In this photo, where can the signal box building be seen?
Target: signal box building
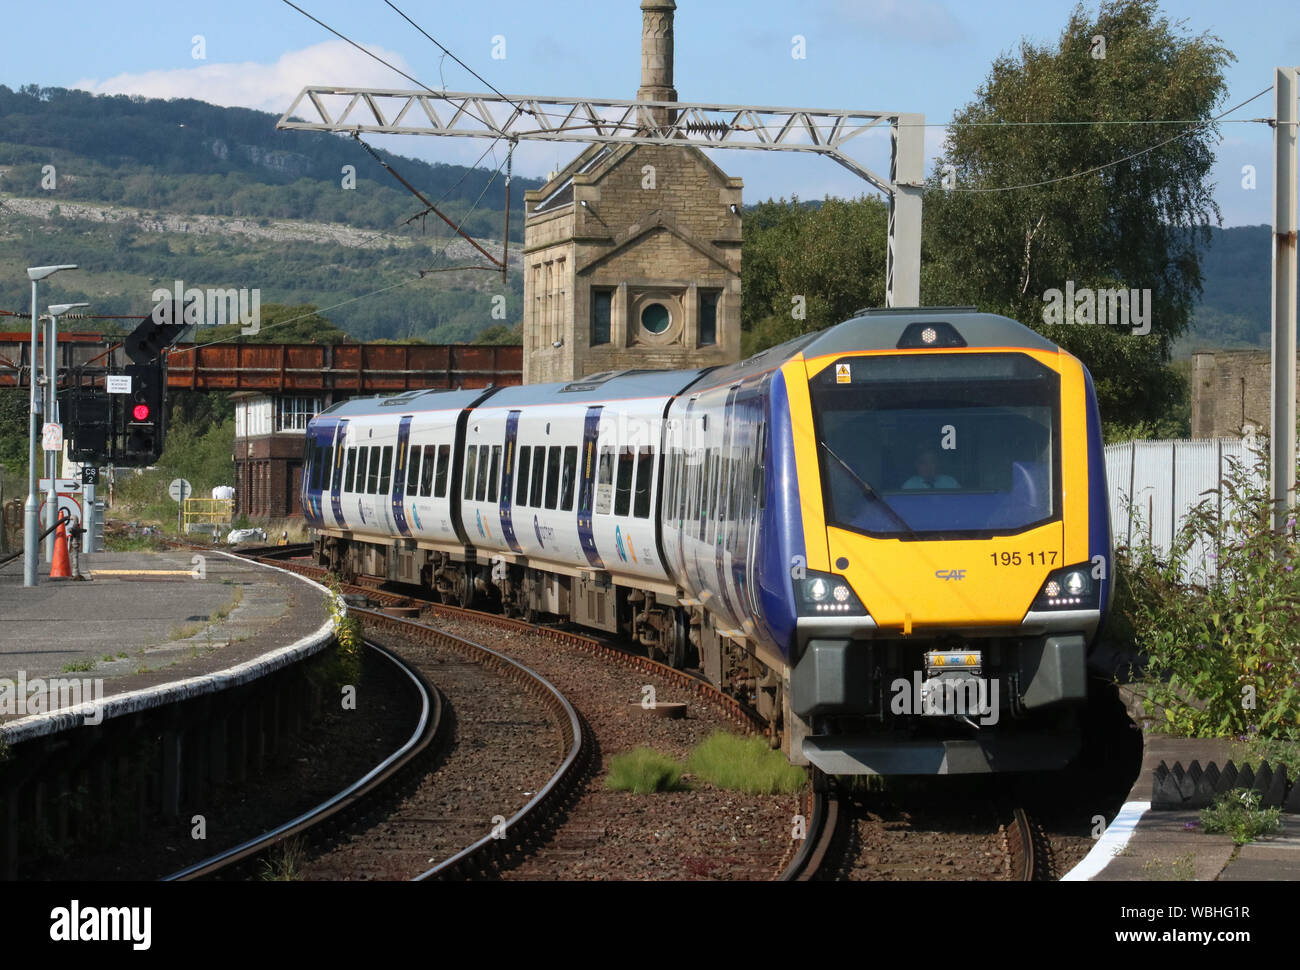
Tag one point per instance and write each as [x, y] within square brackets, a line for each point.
[632, 252]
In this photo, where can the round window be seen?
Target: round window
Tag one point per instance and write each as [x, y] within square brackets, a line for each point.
[656, 318]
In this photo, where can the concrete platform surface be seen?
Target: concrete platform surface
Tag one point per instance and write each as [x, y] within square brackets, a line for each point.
[1172, 846]
[149, 618]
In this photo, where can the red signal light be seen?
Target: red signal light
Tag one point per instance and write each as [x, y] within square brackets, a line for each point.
[140, 412]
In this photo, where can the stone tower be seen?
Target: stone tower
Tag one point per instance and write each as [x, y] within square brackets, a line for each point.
[632, 252]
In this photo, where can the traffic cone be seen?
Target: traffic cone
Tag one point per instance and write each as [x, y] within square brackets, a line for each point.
[61, 568]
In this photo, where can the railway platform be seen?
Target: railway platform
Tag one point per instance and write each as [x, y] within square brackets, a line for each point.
[147, 623]
[1142, 844]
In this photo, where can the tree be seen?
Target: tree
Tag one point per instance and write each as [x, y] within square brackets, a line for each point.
[1136, 224]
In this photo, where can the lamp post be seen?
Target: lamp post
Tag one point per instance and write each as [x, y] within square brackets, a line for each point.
[52, 414]
[31, 508]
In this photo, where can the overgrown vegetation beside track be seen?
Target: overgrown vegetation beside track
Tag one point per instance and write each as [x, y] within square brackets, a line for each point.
[1220, 656]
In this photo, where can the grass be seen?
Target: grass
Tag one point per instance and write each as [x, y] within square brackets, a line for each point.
[108, 658]
[284, 862]
[1183, 868]
[120, 543]
[1276, 751]
[642, 771]
[744, 764]
[184, 631]
[224, 612]
[1237, 813]
[78, 666]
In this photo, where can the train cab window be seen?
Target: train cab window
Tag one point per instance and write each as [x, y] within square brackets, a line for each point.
[471, 456]
[605, 482]
[317, 464]
[426, 472]
[570, 478]
[372, 472]
[645, 464]
[386, 470]
[350, 476]
[623, 486]
[539, 472]
[480, 492]
[521, 475]
[552, 476]
[413, 470]
[494, 476]
[440, 481]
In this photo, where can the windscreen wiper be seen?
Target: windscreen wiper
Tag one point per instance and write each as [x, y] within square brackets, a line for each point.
[869, 491]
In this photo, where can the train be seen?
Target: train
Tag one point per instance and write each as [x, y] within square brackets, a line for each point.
[890, 538]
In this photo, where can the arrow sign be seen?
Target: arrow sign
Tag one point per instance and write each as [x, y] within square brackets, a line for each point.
[61, 485]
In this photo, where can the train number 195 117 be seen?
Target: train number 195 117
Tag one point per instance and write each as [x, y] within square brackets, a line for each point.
[1023, 558]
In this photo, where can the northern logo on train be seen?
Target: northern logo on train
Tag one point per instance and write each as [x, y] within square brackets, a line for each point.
[950, 574]
[416, 516]
[538, 529]
[618, 544]
[478, 521]
[361, 512]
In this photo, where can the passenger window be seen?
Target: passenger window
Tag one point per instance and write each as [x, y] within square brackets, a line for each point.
[372, 471]
[481, 490]
[552, 476]
[539, 471]
[350, 476]
[570, 478]
[426, 473]
[413, 470]
[623, 487]
[495, 474]
[645, 464]
[471, 453]
[605, 482]
[444, 460]
[521, 475]
[386, 470]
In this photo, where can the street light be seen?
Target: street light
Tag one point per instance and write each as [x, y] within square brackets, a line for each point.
[31, 508]
[52, 412]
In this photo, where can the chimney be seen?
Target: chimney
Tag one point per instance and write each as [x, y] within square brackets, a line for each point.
[657, 56]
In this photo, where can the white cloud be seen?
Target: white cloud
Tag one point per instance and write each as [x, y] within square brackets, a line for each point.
[266, 87]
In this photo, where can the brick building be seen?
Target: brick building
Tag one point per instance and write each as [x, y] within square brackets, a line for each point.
[1231, 391]
[268, 451]
[632, 252]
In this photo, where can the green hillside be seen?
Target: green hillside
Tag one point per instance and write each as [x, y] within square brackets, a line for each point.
[146, 192]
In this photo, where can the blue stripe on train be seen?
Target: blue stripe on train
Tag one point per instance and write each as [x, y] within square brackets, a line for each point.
[781, 542]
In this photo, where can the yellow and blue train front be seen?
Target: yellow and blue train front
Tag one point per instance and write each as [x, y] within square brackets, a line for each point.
[949, 547]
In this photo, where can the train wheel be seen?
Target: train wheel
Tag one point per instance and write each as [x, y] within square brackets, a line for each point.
[677, 644]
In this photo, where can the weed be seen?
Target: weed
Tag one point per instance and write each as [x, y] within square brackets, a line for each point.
[1237, 813]
[78, 666]
[744, 764]
[643, 771]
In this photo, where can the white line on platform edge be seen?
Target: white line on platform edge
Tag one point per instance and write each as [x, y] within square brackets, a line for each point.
[1111, 843]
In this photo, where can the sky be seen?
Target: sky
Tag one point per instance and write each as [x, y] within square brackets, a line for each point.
[925, 56]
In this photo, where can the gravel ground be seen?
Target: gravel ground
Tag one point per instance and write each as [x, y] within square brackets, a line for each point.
[703, 833]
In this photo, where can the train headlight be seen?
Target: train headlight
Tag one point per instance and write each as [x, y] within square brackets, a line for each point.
[821, 594]
[1071, 588]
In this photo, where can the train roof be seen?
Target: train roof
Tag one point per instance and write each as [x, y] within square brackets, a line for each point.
[606, 386]
[429, 399]
[886, 329]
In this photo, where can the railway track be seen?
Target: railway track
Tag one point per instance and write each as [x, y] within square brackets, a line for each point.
[835, 848]
[831, 847]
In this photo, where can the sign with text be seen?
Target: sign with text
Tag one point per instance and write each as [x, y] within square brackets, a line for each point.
[118, 383]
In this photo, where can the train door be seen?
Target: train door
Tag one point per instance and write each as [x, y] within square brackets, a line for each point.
[587, 487]
[336, 476]
[400, 474]
[506, 508]
[319, 455]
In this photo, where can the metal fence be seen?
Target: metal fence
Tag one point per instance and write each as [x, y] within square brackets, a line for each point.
[1154, 484]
